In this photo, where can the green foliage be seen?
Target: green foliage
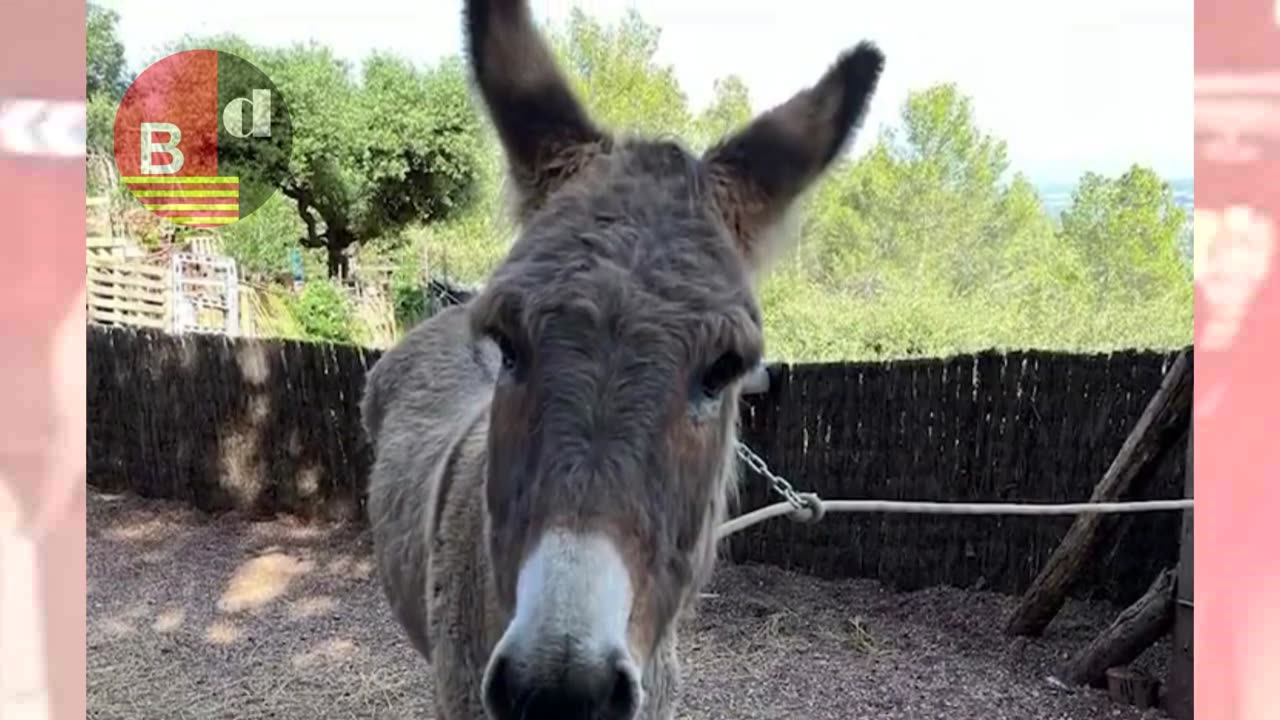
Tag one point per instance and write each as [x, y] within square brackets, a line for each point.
[100, 120]
[1129, 230]
[467, 248]
[921, 247]
[408, 287]
[938, 176]
[372, 154]
[104, 53]
[409, 303]
[927, 244]
[729, 110]
[324, 311]
[105, 83]
[420, 141]
[613, 69]
[274, 314]
[261, 243]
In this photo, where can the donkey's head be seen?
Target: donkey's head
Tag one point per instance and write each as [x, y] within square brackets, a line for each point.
[626, 317]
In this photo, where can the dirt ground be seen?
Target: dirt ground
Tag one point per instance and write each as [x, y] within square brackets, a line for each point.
[191, 616]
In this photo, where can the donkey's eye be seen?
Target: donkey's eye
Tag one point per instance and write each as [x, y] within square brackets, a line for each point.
[508, 357]
[723, 371]
[507, 349]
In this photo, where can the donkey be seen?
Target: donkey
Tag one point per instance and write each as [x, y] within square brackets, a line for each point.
[553, 457]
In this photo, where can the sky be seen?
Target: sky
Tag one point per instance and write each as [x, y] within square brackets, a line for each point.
[1087, 85]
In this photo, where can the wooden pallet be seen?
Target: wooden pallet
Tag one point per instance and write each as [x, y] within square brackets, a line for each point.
[128, 293]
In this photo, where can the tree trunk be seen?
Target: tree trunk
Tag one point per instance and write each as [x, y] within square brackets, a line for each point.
[339, 264]
[1163, 417]
[336, 236]
[1136, 628]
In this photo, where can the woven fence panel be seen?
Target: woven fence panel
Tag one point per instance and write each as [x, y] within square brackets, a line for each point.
[1016, 427]
[271, 426]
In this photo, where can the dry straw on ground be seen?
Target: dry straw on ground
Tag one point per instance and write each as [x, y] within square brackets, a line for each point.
[218, 618]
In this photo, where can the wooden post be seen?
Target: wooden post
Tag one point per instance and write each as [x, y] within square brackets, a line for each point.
[1179, 702]
[1133, 687]
[1168, 408]
[1133, 631]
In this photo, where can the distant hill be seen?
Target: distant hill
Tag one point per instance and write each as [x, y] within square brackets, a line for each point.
[1056, 197]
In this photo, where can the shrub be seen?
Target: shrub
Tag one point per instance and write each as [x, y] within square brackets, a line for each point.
[325, 312]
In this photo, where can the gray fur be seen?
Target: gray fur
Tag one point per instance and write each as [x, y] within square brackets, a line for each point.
[631, 282]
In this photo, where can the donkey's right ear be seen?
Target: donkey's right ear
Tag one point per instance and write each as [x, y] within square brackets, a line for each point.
[546, 134]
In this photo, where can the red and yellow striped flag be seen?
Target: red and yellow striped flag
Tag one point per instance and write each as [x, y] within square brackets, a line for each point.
[193, 201]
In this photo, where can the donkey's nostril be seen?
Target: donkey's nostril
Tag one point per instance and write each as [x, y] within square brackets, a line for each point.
[608, 689]
[500, 693]
[623, 688]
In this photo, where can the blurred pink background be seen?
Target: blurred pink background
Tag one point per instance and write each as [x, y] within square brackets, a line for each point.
[1237, 459]
[1237, 393]
[42, 339]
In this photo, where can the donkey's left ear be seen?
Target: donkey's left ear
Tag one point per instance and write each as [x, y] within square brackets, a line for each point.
[760, 170]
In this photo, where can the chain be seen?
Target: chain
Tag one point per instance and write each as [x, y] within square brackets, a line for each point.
[780, 484]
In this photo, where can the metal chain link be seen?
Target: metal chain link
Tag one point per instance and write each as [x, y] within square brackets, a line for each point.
[780, 484]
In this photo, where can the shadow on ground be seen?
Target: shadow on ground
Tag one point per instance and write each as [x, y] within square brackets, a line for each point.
[196, 616]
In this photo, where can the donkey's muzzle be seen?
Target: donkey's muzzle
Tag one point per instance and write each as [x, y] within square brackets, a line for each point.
[606, 687]
[564, 653]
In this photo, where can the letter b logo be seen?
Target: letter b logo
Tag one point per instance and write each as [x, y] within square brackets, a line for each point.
[150, 147]
[203, 138]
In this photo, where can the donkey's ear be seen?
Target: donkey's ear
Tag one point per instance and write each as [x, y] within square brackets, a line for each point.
[760, 170]
[545, 133]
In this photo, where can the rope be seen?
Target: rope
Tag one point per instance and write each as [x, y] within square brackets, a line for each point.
[808, 507]
[946, 508]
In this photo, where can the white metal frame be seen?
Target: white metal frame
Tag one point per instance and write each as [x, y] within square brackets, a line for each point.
[201, 281]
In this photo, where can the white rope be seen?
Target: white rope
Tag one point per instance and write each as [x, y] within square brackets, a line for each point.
[808, 507]
[946, 508]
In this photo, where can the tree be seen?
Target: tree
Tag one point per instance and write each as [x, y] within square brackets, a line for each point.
[1129, 230]
[105, 83]
[730, 109]
[614, 70]
[926, 201]
[104, 56]
[371, 154]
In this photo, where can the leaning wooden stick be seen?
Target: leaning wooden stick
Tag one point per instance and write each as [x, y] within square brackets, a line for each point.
[1132, 632]
[1168, 409]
